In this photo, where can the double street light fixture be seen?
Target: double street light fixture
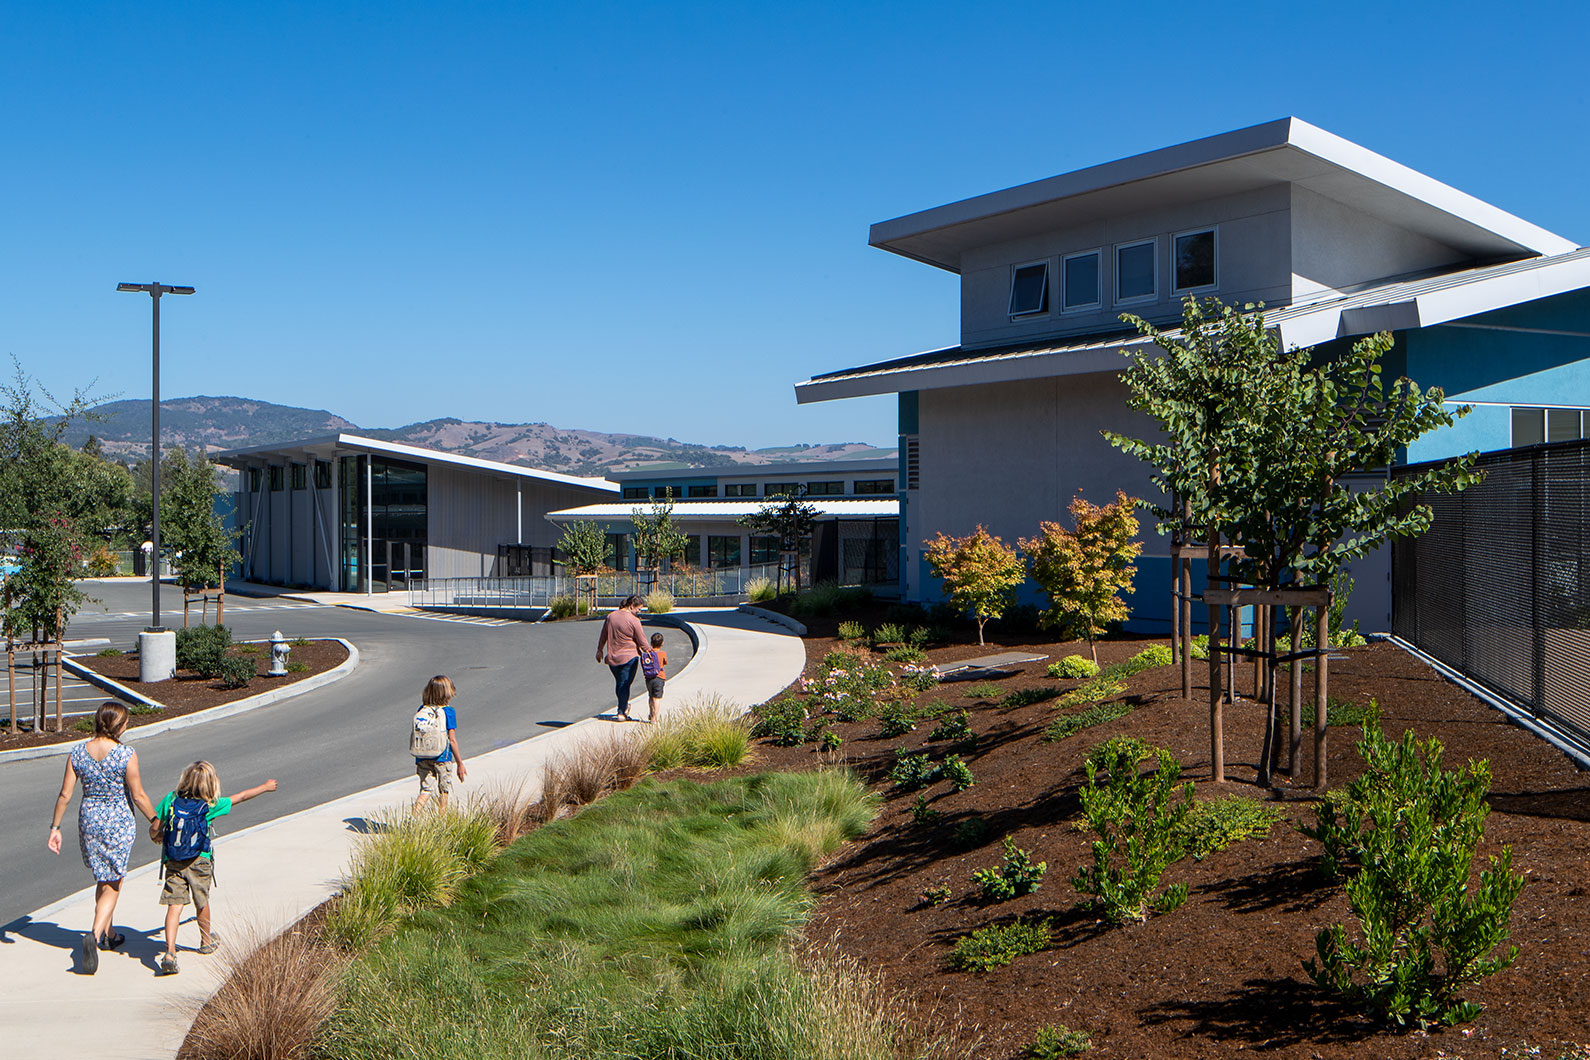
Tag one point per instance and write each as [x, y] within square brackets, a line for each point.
[154, 291]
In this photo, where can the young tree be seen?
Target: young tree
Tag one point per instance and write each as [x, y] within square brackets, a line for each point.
[1083, 570]
[585, 547]
[655, 535]
[203, 549]
[980, 572]
[789, 517]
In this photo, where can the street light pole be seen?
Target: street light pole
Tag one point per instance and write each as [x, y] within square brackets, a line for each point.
[154, 291]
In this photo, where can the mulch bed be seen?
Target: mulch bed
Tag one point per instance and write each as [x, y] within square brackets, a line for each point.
[187, 692]
[1223, 973]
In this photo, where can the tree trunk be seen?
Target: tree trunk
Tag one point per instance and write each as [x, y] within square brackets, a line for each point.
[980, 621]
[1217, 748]
[1262, 691]
[1295, 744]
[1322, 635]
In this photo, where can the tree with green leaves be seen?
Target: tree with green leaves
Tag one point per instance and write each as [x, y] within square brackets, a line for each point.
[1084, 570]
[203, 549]
[585, 547]
[655, 534]
[789, 517]
[980, 573]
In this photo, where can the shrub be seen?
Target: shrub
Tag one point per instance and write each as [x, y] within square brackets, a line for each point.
[919, 678]
[954, 726]
[297, 668]
[852, 631]
[1200, 647]
[998, 945]
[1344, 712]
[918, 637]
[969, 832]
[922, 813]
[561, 607]
[825, 598]
[299, 642]
[1154, 655]
[1068, 725]
[985, 690]
[1026, 697]
[102, 563]
[905, 653]
[1215, 825]
[273, 999]
[1057, 1041]
[1139, 828]
[912, 771]
[886, 634]
[705, 733]
[895, 719]
[848, 687]
[761, 590]
[236, 671]
[109, 652]
[659, 601]
[1406, 836]
[201, 648]
[829, 740]
[780, 720]
[1100, 687]
[937, 894]
[1074, 666]
[83, 725]
[1017, 875]
[957, 772]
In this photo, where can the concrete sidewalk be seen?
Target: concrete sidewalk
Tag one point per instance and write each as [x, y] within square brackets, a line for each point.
[272, 874]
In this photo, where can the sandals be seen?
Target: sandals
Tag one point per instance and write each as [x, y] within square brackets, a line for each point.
[111, 939]
[211, 946]
[90, 953]
[168, 965]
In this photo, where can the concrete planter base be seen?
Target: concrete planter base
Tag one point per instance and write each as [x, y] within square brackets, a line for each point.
[157, 655]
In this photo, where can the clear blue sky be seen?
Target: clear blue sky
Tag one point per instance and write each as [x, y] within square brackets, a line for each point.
[651, 217]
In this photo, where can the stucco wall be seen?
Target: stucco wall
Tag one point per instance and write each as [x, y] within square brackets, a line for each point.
[1335, 246]
[1254, 265]
[472, 513]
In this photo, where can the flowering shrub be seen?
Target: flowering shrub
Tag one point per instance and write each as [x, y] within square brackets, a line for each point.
[919, 677]
[846, 686]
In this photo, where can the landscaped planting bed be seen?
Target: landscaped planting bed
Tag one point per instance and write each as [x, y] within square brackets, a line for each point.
[1223, 972]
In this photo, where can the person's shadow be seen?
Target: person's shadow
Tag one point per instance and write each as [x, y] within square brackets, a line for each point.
[143, 946]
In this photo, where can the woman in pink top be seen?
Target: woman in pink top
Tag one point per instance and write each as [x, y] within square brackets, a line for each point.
[620, 646]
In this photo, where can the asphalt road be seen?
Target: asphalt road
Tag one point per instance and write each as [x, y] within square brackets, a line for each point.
[514, 681]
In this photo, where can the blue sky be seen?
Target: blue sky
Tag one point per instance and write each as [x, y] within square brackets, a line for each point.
[651, 217]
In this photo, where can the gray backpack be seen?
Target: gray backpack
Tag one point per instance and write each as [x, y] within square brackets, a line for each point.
[428, 738]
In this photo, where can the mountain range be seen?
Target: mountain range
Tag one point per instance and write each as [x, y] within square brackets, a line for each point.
[216, 423]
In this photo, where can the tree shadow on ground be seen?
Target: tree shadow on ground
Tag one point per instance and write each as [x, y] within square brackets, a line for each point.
[1267, 1014]
[1295, 887]
[1573, 805]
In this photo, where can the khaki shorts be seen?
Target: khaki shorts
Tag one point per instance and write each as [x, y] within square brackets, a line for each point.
[189, 882]
[436, 778]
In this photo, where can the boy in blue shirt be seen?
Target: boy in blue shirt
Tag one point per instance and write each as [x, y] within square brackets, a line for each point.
[437, 774]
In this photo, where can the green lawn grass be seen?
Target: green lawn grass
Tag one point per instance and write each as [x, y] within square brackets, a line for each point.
[656, 923]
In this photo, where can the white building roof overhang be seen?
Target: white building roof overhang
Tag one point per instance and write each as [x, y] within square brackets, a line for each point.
[330, 446]
[1286, 151]
[729, 511]
[1398, 306]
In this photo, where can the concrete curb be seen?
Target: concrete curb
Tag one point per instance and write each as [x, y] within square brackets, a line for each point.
[797, 628]
[198, 717]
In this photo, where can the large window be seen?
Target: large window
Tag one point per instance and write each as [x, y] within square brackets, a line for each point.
[1135, 267]
[322, 474]
[620, 546]
[701, 491]
[1080, 280]
[1534, 426]
[636, 493]
[1029, 289]
[778, 489]
[299, 477]
[723, 551]
[277, 478]
[692, 553]
[384, 507]
[874, 487]
[764, 550]
[253, 480]
[740, 489]
[825, 489]
[1196, 259]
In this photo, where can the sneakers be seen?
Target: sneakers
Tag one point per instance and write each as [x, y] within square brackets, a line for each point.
[168, 965]
[211, 946]
[90, 954]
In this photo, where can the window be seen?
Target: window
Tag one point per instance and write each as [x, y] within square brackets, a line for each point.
[692, 553]
[873, 487]
[912, 445]
[1029, 289]
[1080, 280]
[723, 551]
[620, 546]
[276, 478]
[253, 480]
[740, 489]
[825, 489]
[1135, 266]
[666, 492]
[701, 491]
[1535, 426]
[322, 474]
[778, 489]
[764, 550]
[300, 477]
[636, 493]
[1563, 425]
[1195, 260]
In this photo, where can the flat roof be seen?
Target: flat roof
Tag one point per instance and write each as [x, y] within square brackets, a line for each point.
[1396, 306]
[327, 446]
[801, 468]
[1286, 151]
[727, 511]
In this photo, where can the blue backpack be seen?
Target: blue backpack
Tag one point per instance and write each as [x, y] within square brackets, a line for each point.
[650, 664]
[187, 830]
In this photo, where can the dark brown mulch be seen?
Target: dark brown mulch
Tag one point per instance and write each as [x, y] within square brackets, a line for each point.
[188, 692]
[1223, 973]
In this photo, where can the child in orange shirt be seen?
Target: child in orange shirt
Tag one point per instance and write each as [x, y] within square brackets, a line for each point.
[654, 660]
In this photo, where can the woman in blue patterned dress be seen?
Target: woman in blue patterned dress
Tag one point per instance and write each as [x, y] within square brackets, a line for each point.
[108, 769]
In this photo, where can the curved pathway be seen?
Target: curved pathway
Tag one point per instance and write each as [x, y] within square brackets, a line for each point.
[274, 872]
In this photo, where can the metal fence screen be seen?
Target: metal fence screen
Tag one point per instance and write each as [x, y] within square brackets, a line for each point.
[1499, 588]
